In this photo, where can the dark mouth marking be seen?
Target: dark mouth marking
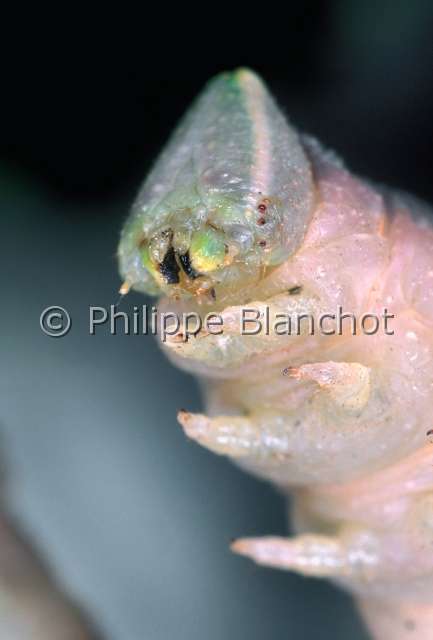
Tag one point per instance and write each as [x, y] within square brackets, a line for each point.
[185, 263]
[169, 268]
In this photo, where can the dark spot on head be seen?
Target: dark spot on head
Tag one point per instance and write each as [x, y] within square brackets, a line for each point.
[261, 221]
[293, 291]
[429, 432]
[262, 243]
[410, 625]
[185, 263]
[169, 268]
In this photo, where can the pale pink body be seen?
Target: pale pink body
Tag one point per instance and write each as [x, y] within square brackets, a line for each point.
[346, 428]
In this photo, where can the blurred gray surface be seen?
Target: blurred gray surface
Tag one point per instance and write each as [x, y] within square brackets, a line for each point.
[135, 519]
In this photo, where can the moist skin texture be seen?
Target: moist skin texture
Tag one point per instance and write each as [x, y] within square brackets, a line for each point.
[342, 422]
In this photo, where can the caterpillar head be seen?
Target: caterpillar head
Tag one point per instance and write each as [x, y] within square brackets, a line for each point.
[228, 199]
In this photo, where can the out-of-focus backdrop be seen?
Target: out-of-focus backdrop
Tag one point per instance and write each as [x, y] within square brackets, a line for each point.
[134, 519]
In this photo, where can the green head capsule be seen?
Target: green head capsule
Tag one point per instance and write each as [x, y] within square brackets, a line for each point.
[230, 194]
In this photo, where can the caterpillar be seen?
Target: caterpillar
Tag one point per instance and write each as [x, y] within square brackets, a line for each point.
[240, 210]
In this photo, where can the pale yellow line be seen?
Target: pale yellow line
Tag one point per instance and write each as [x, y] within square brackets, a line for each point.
[255, 102]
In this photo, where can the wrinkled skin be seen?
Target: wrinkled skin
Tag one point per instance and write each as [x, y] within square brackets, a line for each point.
[340, 421]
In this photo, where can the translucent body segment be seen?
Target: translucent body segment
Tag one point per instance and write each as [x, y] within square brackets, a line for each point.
[243, 332]
[310, 443]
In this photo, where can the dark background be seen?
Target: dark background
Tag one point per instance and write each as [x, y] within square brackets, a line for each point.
[135, 519]
[89, 100]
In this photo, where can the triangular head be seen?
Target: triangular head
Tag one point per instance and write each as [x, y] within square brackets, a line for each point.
[229, 198]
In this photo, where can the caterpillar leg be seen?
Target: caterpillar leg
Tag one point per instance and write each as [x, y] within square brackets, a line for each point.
[345, 384]
[256, 437]
[235, 436]
[314, 554]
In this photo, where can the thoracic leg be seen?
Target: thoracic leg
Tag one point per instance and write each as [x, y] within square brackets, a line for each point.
[350, 553]
[346, 384]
